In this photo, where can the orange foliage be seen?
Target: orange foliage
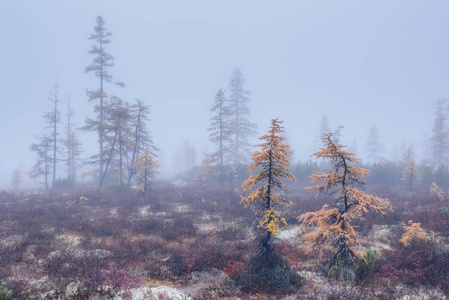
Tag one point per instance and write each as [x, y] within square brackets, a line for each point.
[330, 227]
[412, 233]
[273, 161]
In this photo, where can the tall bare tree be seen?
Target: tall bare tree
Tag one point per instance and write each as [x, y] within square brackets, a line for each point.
[101, 63]
[220, 131]
[242, 128]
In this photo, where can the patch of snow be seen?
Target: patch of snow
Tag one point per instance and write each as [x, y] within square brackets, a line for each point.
[159, 293]
[145, 211]
[72, 289]
[313, 277]
[291, 233]
[70, 239]
[182, 208]
[12, 240]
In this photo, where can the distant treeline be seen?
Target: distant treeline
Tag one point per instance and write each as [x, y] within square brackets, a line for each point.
[386, 173]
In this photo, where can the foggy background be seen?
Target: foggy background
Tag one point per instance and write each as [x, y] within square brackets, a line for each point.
[360, 63]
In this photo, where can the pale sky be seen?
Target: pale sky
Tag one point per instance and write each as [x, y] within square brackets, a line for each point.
[361, 63]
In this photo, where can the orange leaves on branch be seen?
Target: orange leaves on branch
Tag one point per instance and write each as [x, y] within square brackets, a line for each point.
[272, 161]
[413, 232]
[330, 227]
[146, 169]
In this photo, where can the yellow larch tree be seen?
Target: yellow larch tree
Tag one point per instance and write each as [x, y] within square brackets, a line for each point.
[436, 191]
[146, 167]
[206, 171]
[333, 229]
[413, 232]
[272, 163]
[410, 172]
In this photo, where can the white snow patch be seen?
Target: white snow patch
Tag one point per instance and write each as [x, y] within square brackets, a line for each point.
[12, 240]
[162, 292]
[145, 211]
[289, 234]
[72, 240]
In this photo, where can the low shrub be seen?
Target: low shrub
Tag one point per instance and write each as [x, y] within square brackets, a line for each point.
[423, 264]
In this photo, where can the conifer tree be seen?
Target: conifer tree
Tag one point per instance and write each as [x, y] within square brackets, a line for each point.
[42, 167]
[373, 145]
[16, 178]
[242, 128]
[72, 145]
[440, 138]
[272, 163]
[116, 136]
[54, 118]
[324, 125]
[206, 170]
[410, 172]
[335, 231]
[140, 139]
[146, 168]
[220, 131]
[412, 232]
[185, 156]
[101, 63]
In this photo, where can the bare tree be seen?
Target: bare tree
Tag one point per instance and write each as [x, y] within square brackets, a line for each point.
[220, 131]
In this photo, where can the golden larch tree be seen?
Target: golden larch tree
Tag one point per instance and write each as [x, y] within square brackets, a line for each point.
[207, 171]
[146, 168]
[272, 163]
[412, 232]
[410, 174]
[344, 181]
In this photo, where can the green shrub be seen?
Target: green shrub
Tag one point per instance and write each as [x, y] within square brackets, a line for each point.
[365, 266]
[5, 293]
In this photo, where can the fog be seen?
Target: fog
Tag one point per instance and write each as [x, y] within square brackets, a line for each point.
[360, 63]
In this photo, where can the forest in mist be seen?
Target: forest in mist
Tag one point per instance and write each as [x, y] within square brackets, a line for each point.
[233, 150]
[301, 65]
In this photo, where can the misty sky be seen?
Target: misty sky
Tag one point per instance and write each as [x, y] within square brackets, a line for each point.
[361, 63]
